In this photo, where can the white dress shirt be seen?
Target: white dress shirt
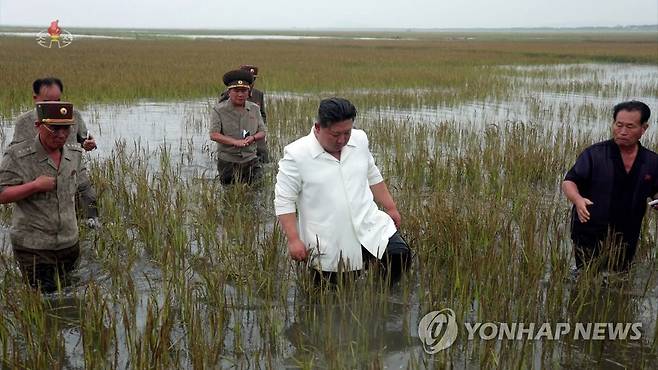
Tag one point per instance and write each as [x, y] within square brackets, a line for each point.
[335, 208]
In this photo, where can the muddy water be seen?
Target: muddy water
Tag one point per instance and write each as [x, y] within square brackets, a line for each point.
[561, 96]
[182, 127]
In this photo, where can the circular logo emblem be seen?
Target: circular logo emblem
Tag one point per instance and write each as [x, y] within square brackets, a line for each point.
[437, 330]
[63, 111]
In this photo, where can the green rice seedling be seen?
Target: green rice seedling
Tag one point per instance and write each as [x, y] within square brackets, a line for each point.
[187, 273]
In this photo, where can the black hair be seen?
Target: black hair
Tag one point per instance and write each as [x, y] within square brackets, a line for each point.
[47, 81]
[333, 110]
[633, 106]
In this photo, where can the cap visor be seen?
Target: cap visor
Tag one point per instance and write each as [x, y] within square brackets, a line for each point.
[59, 122]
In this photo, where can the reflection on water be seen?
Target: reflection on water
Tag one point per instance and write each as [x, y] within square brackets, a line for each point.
[141, 35]
[182, 128]
[75, 36]
[542, 99]
[607, 74]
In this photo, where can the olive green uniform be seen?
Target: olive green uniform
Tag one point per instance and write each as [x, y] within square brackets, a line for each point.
[255, 96]
[230, 121]
[24, 129]
[44, 226]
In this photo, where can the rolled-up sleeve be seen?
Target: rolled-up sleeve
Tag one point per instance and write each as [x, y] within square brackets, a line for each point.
[9, 173]
[288, 185]
[374, 176]
[581, 171]
[261, 125]
[215, 122]
[82, 131]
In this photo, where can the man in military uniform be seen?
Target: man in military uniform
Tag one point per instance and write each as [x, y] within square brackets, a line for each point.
[50, 89]
[236, 126]
[41, 176]
[258, 97]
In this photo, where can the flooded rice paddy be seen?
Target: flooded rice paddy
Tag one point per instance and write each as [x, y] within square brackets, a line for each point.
[188, 274]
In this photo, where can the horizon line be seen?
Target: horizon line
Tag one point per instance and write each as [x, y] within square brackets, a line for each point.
[380, 29]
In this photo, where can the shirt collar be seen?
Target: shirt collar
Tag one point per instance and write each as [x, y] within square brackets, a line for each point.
[640, 153]
[317, 149]
[42, 155]
[617, 153]
[235, 109]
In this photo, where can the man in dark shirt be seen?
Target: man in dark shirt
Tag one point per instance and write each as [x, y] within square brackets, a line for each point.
[609, 186]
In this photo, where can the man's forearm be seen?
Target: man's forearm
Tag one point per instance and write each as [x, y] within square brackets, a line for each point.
[260, 135]
[570, 190]
[223, 139]
[288, 223]
[17, 192]
[383, 196]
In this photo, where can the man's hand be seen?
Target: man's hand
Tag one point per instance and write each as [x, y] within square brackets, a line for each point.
[44, 183]
[570, 189]
[250, 139]
[240, 143]
[395, 215]
[383, 198]
[581, 209]
[297, 250]
[89, 144]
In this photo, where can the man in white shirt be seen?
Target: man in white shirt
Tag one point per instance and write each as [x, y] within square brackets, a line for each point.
[329, 179]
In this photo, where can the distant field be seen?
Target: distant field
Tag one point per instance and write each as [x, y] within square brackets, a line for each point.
[473, 134]
[170, 69]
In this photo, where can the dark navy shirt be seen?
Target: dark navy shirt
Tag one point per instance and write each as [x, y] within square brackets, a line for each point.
[619, 197]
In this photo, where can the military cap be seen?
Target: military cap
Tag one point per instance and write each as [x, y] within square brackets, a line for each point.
[251, 68]
[238, 78]
[55, 113]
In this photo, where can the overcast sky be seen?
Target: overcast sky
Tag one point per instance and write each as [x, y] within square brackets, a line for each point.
[288, 14]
